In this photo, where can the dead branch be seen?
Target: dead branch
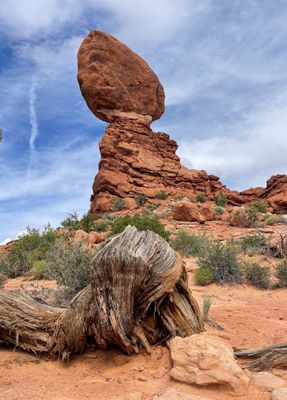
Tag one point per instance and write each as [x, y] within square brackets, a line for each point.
[265, 358]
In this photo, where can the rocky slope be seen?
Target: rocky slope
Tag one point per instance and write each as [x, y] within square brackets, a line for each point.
[120, 88]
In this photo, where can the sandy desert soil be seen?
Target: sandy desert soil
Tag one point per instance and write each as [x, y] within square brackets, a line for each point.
[251, 318]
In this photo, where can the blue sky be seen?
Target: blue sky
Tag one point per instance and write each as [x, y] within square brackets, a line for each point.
[223, 66]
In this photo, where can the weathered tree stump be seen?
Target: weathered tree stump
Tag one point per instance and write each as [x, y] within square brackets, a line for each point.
[138, 296]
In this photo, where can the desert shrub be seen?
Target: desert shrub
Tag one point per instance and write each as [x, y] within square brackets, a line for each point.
[260, 206]
[39, 270]
[3, 278]
[72, 222]
[153, 206]
[222, 259]
[203, 276]
[207, 303]
[162, 195]
[189, 244]
[32, 246]
[119, 204]
[181, 197]
[219, 210]
[247, 217]
[200, 198]
[281, 273]
[141, 199]
[102, 226]
[142, 223]
[220, 200]
[270, 219]
[69, 264]
[256, 242]
[256, 274]
[87, 223]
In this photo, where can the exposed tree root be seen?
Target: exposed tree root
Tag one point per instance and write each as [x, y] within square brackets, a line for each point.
[138, 296]
[265, 358]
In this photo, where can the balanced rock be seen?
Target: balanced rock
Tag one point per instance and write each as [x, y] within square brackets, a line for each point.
[116, 82]
[119, 87]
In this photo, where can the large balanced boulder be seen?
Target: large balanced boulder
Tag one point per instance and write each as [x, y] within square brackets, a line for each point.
[116, 82]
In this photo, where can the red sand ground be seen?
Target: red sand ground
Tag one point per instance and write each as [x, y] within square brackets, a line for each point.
[251, 318]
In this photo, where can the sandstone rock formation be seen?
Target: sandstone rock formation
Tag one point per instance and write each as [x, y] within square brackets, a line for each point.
[205, 359]
[134, 160]
[279, 394]
[120, 88]
[187, 211]
[266, 381]
[116, 82]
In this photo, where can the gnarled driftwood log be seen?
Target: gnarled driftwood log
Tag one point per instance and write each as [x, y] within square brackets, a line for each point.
[138, 296]
[265, 358]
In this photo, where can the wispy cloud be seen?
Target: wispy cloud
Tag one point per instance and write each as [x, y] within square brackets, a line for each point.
[34, 126]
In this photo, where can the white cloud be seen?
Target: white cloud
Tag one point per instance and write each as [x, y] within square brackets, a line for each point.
[225, 79]
[256, 149]
[23, 19]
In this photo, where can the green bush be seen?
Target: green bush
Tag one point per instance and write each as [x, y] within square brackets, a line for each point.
[270, 219]
[256, 242]
[87, 223]
[220, 200]
[69, 264]
[246, 217]
[162, 195]
[152, 206]
[200, 198]
[260, 206]
[203, 277]
[219, 210]
[119, 204]
[3, 278]
[222, 259]
[256, 274]
[141, 199]
[189, 244]
[39, 270]
[102, 226]
[141, 223]
[181, 197]
[32, 246]
[281, 273]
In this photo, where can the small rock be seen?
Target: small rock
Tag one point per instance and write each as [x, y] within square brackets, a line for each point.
[121, 359]
[267, 381]
[205, 359]
[279, 394]
[187, 211]
[172, 394]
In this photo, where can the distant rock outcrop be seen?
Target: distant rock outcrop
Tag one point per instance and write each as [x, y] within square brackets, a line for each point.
[120, 88]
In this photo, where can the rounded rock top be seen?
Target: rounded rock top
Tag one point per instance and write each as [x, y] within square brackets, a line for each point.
[117, 83]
